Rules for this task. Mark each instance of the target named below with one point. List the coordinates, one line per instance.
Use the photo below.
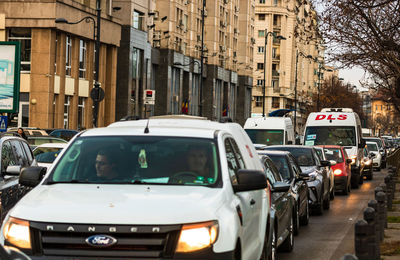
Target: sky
(352, 76)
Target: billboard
(9, 76)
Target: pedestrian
(22, 133)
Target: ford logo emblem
(101, 241)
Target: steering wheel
(177, 176)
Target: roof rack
(346, 110)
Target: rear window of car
(304, 156)
(333, 154)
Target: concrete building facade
(178, 38)
(291, 65)
(57, 61)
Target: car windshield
(372, 147)
(282, 165)
(303, 155)
(330, 135)
(264, 136)
(139, 160)
(333, 154)
(46, 154)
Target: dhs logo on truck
(331, 117)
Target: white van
(158, 188)
(270, 130)
(338, 126)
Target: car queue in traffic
(182, 187)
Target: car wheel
(327, 202)
(332, 195)
(319, 210)
(272, 255)
(287, 245)
(306, 216)
(296, 221)
(346, 188)
(355, 182)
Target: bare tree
(365, 33)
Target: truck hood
(351, 150)
(119, 204)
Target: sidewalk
(390, 247)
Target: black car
(282, 209)
(318, 182)
(291, 173)
(15, 154)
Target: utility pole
(96, 93)
(202, 59)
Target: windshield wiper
(71, 181)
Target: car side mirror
(280, 186)
(32, 176)
(348, 161)
(325, 163)
(13, 170)
(250, 180)
(333, 163)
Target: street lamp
(279, 37)
(295, 85)
(202, 57)
(97, 93)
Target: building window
(275, 83)
(262, 1)
(23, 36)
(258, 101)
(81, 113)
(274, 53)
(138, 20)
(66, 111)
(261, 33)
(82, 59)
(68, 55)
(275, 102)
(261, 17)
(260, 49)
(260, 82)
(260, 66)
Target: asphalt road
(331, 235)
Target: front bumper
(201, 255)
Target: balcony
(275, 73)
(276, 57)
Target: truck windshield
(264, 136)
(330, 135)
(139, 160)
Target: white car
(377, 160)
(45, 154)
(162, 188)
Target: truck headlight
(16, 232)
(197, 236)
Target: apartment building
(57, 60)
(384, 117)
(137, 59)
(178, 85)
(291, 65)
